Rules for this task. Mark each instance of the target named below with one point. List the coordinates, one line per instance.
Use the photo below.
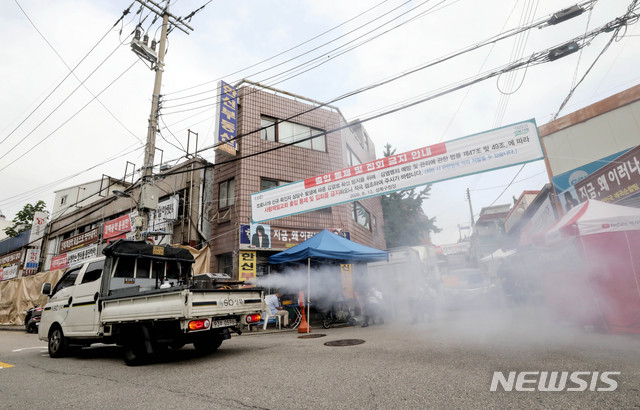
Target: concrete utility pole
(148, 200)
(470, 208)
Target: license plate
(223, 323)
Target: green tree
(405, 223)
(24, 218)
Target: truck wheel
(208, 343)
(58, 344)
(135, 353)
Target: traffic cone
(304, 326)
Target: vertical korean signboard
(347, 280)
(247, 266)
(31, 262)
(226, 116)
(40, 220)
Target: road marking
(5, 365)
(27, 348)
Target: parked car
(468, 288)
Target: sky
(55, 133)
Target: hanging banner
(502, 147)
(9, 272)
(81, 255)
(116, 227)
(247, 266)
(226, 118)
(80, 240)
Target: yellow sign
(247, 265)
(158, 250)
(347, 280)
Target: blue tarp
(330, 246)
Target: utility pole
(470, 208)
(148, 200)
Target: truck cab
(73, 301)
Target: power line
(326, 56)
(270, 58)
(60, 105)
(534, 59)
(70, 118)
(124, 13)
(74, 74)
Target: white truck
(144, 298)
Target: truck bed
(180, 304)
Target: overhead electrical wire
(432, 63)
(61, 103)
(70, 118)
(267, 59)
(534, 59)
(74, 74)
(124, 13)
(322, 45)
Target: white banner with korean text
(498, 148)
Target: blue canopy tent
(330, 246)
(327, 245)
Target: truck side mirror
(46, 289)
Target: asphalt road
(448, 364)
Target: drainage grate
(345, 342)
(311, 336)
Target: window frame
(318, 143)
(355, 215)
(229, 200)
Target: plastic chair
(267, 315)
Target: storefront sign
(116, 227)
(9, 272)
(226, 116)
(12, 258)
(31, 262)
(79, 241)
(511, 145)
(279, 238)
(38, 227)
(613, 182)
(166, 211)
(247, 266)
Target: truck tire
(135, 353)
(209, 342)
(57, 344)
(134, 347)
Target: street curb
(14, 328)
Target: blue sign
(227, 116)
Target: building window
(361, 215)
(63, 200)
(270, 183)
(227, 195)
(352, 158)
(288, 132)
(225, 263)
(269, 131)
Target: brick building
(267, 119)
